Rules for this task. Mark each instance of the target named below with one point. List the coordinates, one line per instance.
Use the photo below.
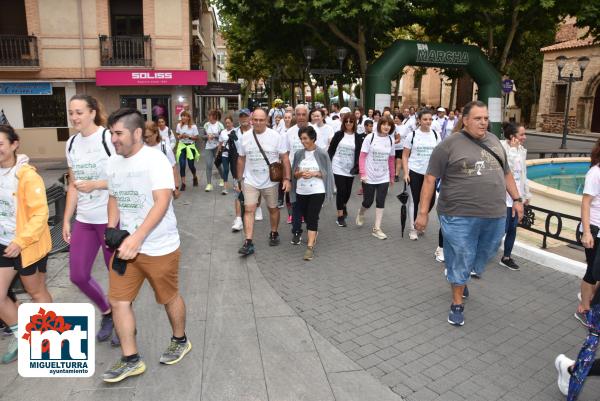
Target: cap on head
(440, 109)
(345, 110)
(244, 112)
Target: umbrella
(586, 356)
(403, 198)
(3, 119)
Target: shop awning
(151, 78)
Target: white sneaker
(412, 234)
(562, 363)
(221, 183)
(360, 219)
(377, 233)
(439, 254)
(238, 224)
(258, 214)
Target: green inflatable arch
(386, 68)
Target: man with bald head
(254, 171)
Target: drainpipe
(81, 49)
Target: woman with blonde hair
(153, 138)
(187, 133)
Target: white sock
(378, 217)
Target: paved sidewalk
(248, 344)
(385, 305)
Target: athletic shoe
(122, 370)
(396, 179)
(12, 351)
(413, 235)
(246, 249)
(465, 294)
(289, 219)
(258, 216)
(274, 238)
(475, 275)
(280, 204)
(309, 253)
(182, 187)
(224, 192)
(439, 254)
(377, 233)
(341, 221)
(360, 219)
(582, 318)
(238, 225)
(221, 183)
(175, 352)
(456, 317)
(509, 264)
(195, 181)
(562, 363)
(208, 188)
(296, 239)
(106, 328)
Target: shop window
(45, 110)
(560, 98)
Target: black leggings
(310, 206)
(590, 256)
(343, 185)
(190, 162)
(369, 192)
(416, 183)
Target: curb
(548, 259)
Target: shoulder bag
(486, 148)
(275, 169)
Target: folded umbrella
(113, 238)
(403, 198)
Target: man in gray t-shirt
(475, 177)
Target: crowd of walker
(124, 173)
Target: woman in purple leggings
(87, 154)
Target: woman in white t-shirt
(165, 132)
(212, 131)
(154, 139)
(224, 151)
(87, 156)
(187, 133)
(376, 168)
(324, 131)
(360, 119)
(398, 146)
(418, 147)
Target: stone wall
(554, 122)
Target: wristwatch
(518, 200)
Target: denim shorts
(469, 243)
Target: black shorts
(398, 153)
(16, 264)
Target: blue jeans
(469, 243)
(511, 232)
(225, 165)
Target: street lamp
(309, 54)
(561, 62)
(340, 54)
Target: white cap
(441, 109)
(345, 110)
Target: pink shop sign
(151, 77)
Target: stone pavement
(248, 344)
(385, 305)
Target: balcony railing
(18, 51)
(125, 51)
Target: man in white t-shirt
(140, 186)
(254, 169)
(438, 120)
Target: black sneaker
(396, 179)
(509, 264)
(246, 249)
(274, 238)
(296, 239)
(341, 221)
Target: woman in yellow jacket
(24, 233)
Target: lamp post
(309, 54)
(561, 61)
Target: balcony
(19, 52)
(125, 51)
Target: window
(45, 110)
(417, 80)
(560, 98)
(221, 59)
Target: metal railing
(528, 223)
(18, 51)
(125, 51)
(543, 153)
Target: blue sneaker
(246, 249)
(465, 292)
(106, 328)
(456, 317)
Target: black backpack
(103, 143)
(412, 140)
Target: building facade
(584, 105)
(133, 53)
